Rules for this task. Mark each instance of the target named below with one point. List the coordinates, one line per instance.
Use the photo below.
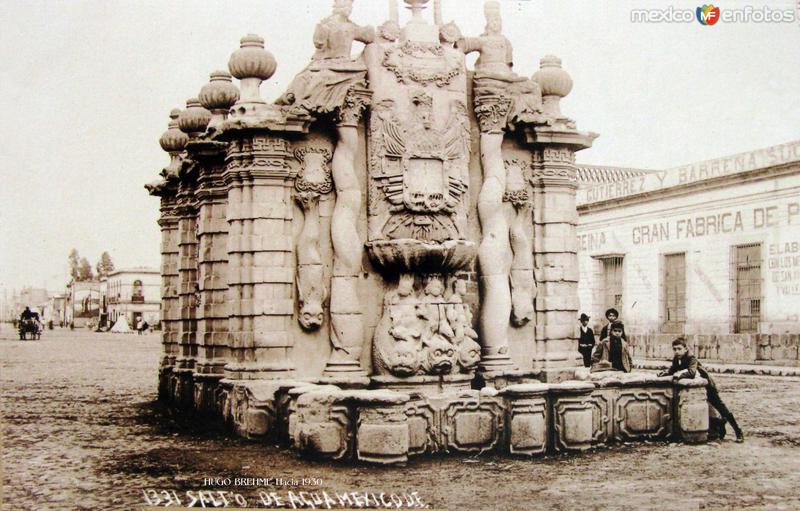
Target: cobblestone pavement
(82, 431)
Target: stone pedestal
(382, 436)
(322, 424)
(556, 247)
(527, 417)
(691, 410)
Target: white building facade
(709, 250)
(134, 293)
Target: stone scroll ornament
(313, 181)
(334, 85)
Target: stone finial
(252, 64)
(194, 120)
(173, 140)
(554, 82)
(219, 95)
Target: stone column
(555, 183)
(193, 122)
(556, 251)
(260, 256)
(347, 329)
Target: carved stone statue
(322, 87)
(520, 99)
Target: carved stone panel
(643, 414)
(602, 416)
(426, 329)
(472, 424)
(423, 425)
(527, 425)
(573, 423)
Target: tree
(85, 271)
(105, 265)
(74, 264)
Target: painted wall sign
(709, 169)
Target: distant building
(35, 298)
(82, 303)
(56, 310)
(134, 293)
(709, 250)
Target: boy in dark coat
(586, 341)
(612, 315)
(686, 365)
(612, 353)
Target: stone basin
(415, 256)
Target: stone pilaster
(186, 212)
(554, 181)
(170, 308)
(260, 256)
(212, 263)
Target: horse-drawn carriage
(30, 328)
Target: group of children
(612, 354)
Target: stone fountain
(383, 262)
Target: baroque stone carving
(313, 180)
(419, 167)
(643, 413)
(425, 332)
(521, 279)
(401, 61)
(472, 423)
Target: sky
(86, 87)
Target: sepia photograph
(400, 254)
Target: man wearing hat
(586, 341)
(612, 315)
